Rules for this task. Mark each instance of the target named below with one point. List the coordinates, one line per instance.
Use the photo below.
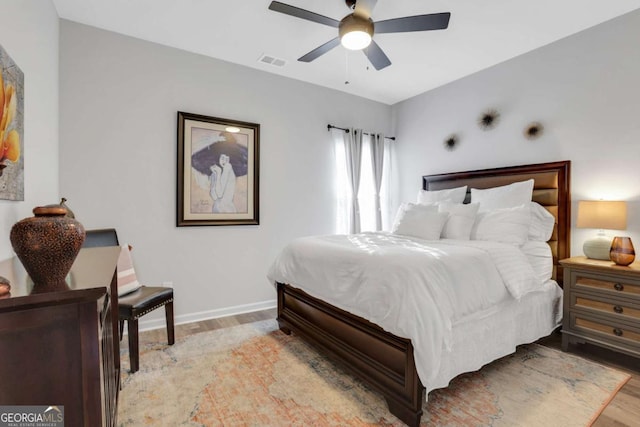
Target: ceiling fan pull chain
(346, 67)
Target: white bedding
(410, 287)
(476, 343)
(540, 257)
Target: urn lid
(50, 210)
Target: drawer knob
(618, 287)
(617, 332)
(618, 309)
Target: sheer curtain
(377, 168)
(367, 191)
(363, 168)
(353, 157)
(348, 155)
(387, 193)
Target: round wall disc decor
(451, 142)
(533, 130)
(489, 119)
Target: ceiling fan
(355, 31)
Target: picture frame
(11, 129)
(218, 171)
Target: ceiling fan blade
(321, 50)
(365, 7)
(276, 6)
(433, 21)
(376, 56)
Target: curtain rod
(329, 127)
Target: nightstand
(601, 304)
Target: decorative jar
(47, 245)
(622, 252)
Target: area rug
(254, 375)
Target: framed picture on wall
(218, 161)
(11, 129)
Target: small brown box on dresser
(601, 304)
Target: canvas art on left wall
(11, 129)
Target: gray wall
(585, 89)
(29, 34)
(118, 102)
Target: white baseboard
(149, 325)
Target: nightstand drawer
(587, 281)
(620, 332)
(622, 308)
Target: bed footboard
(382, 360)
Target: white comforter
(410, 287)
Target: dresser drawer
(625, 288)
(621, 332)
(621, 309)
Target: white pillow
(542, 223)
(509, 225)
(454, 195)
(506, 196)
(461, 220)
(424, 222)
(541, 259)
(413, 206)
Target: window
(366, 190)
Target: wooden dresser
(601, 304)
(62, 348)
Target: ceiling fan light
(356, 40)
(355, 32)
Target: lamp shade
(602, 214)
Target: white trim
(206, 315)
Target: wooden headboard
(551, 189)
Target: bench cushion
(144, 300)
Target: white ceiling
(480, 34)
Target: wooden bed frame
(383, 360)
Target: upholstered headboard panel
(551, 189)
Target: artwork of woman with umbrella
(218, 164)
(223, 161)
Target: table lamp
(601, 214)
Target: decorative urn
(47, 245)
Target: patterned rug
(254, 375)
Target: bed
(385, 361)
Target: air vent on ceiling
(272, 60)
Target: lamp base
(597, 247)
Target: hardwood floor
(206, 325)
(623, 411)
